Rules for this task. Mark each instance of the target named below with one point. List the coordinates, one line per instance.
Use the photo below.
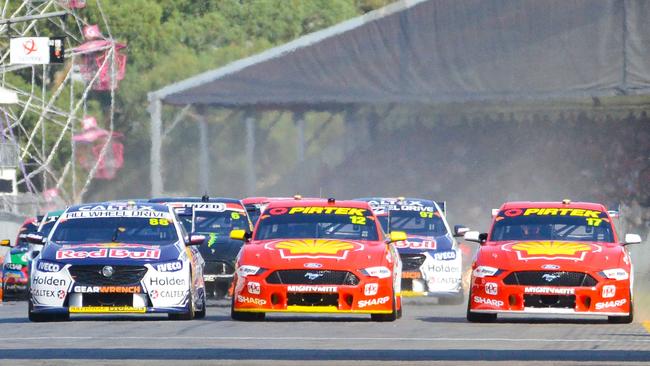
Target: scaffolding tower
(44, 104)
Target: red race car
(551, 258)
(317, 256)
(255, 205)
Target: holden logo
(313, 265)
(551, 266)
(313, 275)
(107, 271)
(550, 277)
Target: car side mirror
(240, 234)
(36, 238)
(395, 236)
(632, 239)
(460, 230)
(475, 236)
(5, 242)
(196, 239)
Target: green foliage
(170, 40)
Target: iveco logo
(107, 271)
(550, 277)
(312, 276)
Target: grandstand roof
(420, 51)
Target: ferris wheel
(58, 77)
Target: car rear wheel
(478, 317)
(401, 307)
(623, 319)
(201, 313)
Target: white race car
(120, 257)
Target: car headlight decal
(248, 270)
(485, 271)
(615, 274)
(379, 272)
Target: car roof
(405, 199)
(321, 202)
(193, 199)
(258, 200)
(155, 206)
(553, 204)
(55, 213)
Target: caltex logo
(29, 46)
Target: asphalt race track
(427, 333)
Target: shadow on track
(550, 321)
(220, 303)
(323, 354)
(442, 319)
(325, 319)
(14, 320)
(140, 318)
(439, 319)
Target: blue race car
(432, 263)
(117, 258)
(215, 218)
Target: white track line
(391, 339)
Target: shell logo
(316, 248)
(553, 250)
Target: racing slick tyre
(623, 319)
(201, 313)
(189, 315)
(390, 317)
(243, 315)
(479, 317)
(400, 310)
(37, 317)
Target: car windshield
(253, 213)
(420, 223)
(186, 221)
(115, 230)
(220, 223)
(383, 221)
(48, 225)
(552, 224)
(317, 222)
